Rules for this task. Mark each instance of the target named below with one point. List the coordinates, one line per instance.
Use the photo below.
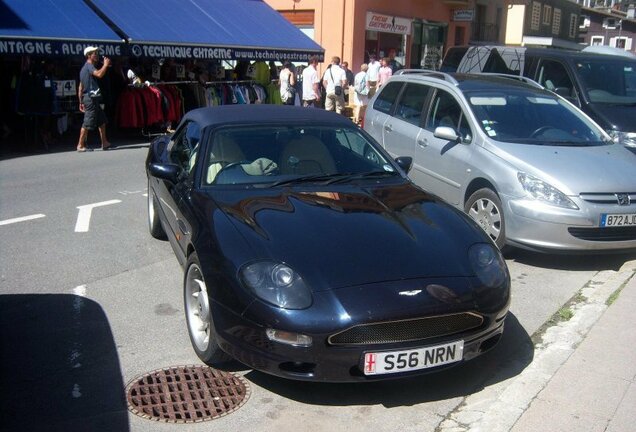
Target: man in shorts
(90, 97)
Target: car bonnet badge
(410, 293)
(623, 199)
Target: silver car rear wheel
(484, 207)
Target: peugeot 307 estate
(528, 166)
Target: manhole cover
(186, 394)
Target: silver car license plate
(618, 220)
(377, 363)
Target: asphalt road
(89, 301)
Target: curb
(498, 407)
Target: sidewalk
(595, 389)
(582, 376)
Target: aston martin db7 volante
(309, 254)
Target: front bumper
(244, 336)
(533, 225)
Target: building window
(547, 15)
(556, 21)
(621, 42)
(597, 40)
(535, 18)
(574, 23)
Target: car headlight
(542, 191)
(277, 284)
(488, 264)
(625, 138)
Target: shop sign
(56, 48)
(388, 24)
(218, 53)
(463, 14)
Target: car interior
(252, 155)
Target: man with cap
(90, 97)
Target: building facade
(608, 26)
(415, 32)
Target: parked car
(529, 167)
(602, 85)
(308, 254)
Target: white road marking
(21, 219)
(76, 393)
(84, 214)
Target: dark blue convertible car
(308, 253)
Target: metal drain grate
(186, 394)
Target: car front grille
(606, 197)
(407, 330)
(604, 234)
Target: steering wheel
(227, 165)
(540, 131)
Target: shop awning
(53, 28)
(207, 29)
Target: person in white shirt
(385, 72)
(287, 79)
(335, 81)
(360, 95)
(311, 91)
(373, 74)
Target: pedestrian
(360, 94)
(335, 81)
(373, 74)
(349, 73)
(385, 72)
(90, 98)
(287, 81)
(311, 89)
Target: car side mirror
(447, 133)
(404, 162)
(169, 172)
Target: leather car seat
(224, 150)
(306, 155)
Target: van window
(409, 107)
(554, 76)
(387, 97)
(445, 111)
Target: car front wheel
(199, 315)
(154, 224)
(484, 207)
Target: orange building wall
(339, 25)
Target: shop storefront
(414, 33)
(190, 54)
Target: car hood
(619, 117)
(574, 170)
(345, 235)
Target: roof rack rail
(442, 75)
(517, 77)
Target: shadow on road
(59, 369)
(598, 261)
(513, 353)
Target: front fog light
(288, 338)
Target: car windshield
(608, 81)
(271, 156)
(531, 117)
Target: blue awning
(54, 28)
(207, 29)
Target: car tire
(484, 207)
(154, 224)
(198, 313)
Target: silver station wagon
(528, 166)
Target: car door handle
(422, 142)
(182, 227)
(388, 128)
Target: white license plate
(618, 220)
(421, 358)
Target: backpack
(362, 88)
